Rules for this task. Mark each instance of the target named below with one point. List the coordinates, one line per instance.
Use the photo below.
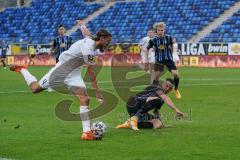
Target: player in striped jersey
(3, 51)
(61, 43)
(163, 46)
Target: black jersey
(61, 43)
(163, 48)
(150, 91)
(139, 103)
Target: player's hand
(100, 98)
(52, 52)
(179, 114)
(80, 22)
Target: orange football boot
(17, 68)
(88, 135)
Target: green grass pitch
(30, 129)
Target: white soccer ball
(99, 128)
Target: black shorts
(160, 66)
(32, 55)
(143, 121)
(133, 106)
(3, 56)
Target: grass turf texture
(29, 128)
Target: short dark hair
(60, 26)
(170, 80)
(101, 33)
(150, 29)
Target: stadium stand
(183, 17)
(126, 20)
(41, 19)
(229, 31)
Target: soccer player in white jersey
(67, 72)
(175, 51)
(147, 57)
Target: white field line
(11, 92)
(125, 81)
(6, 159)
(185, 79)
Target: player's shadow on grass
(62, 109)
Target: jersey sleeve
(88, 50)
(170, 41)
(71, 41)
(150, 44)
(87, 47)
(55, 42)
(141, 42)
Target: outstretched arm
(94, 83)
(170, 103)
(83, 28)
(54, 47)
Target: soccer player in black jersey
(3, 51)
(163, 46)
(61, 43)
(152, 98)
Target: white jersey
(80, 48)
(175, 52)
(144, 42)
(151, 55)
(175, 48)
(68, 70)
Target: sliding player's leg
(132, 107)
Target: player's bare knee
(157, 124)
(84, 100)
(35, 88)
(175, 75)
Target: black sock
(4, 64)
(176, 81)
(146, 125)
(155, 82)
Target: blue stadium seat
(230, 29)
(126, 20)
(184, 18)
(41, 19)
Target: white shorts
(175, 58)
(55, 78)
(151, 57)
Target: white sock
(29, 78)
(84, 114)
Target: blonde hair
(159, 24)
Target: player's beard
(102, 48)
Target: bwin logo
(221, 48)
